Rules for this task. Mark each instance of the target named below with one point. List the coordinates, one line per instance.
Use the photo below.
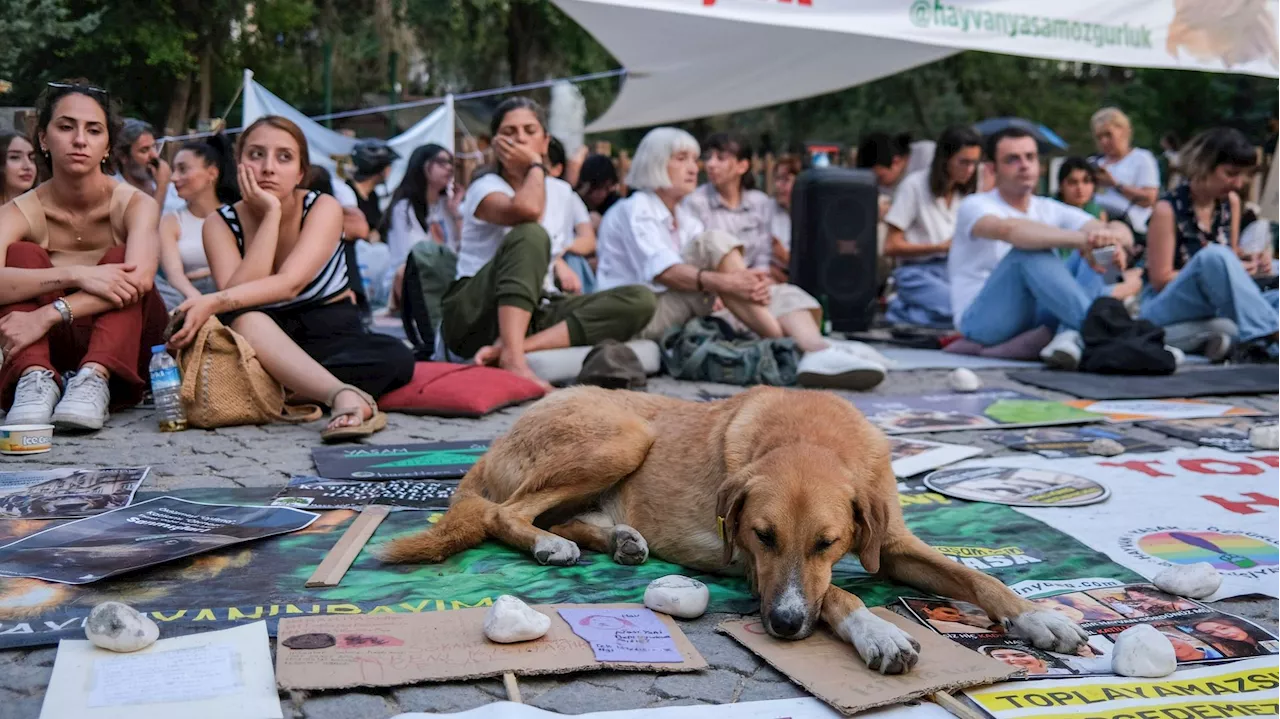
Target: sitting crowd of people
(114, 242)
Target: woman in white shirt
(1128, 177)
(512, 227)
(424, 208)
(197, 169)
(920, 224)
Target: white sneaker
(1218, 346)
(838, 369)
(36, 396)
(85, 404)
(863, 351)
(1064, 351)
(1179, 357)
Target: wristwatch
(64, 309)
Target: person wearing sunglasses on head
(76, 287)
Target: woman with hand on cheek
(283, 285)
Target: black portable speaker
(834, 211)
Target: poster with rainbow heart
(1175, 508)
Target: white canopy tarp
(324, 144)
(694, 58)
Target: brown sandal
(376, 422)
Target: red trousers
(119, 340)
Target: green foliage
(28, 25)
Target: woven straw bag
(224, 385)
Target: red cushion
(458, 390)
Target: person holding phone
(138, 162)
(1128, 177)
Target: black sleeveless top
(1189, 238)
(330, 282)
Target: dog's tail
(464, 526)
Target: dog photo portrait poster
(1016, 486)
(320, 493)
(67, 493)
(990, 409)
(147, 533)
(913, 456)
(1199, 634)
(1063, 442)
(1226, 433)
(433, 460)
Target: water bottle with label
(166, 386)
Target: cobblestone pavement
(267, 456)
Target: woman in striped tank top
(282, 280)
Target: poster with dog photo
(1226, 433)
(1198, 633)
(914, 456)
(67, 493)
(990, 409)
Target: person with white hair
(652, 239)
(1128, 177)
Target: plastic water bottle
(166, 386)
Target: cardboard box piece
(396, 649)
(831, 669)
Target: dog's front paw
(880, 643)
(1047, 630)
(556, 550)
(628, 546)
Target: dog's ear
(871, 516)
(729, 501)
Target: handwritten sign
(333, 652)
(623, 635)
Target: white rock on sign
(1105, 447)
(120, 628)
(1142, 651)
(511, 620)
(1197, 580)
(1264, 437)
(964, 380)
(678, 596)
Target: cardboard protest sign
(433, 460)
(151, 532)
(1199, 633)
(214, 675)
(67, 493)
(389, 650)
(1246, 688)
(913, 456)
(988, 409)
(1176, 508)
(1139, 410)
(319, 493)
(1059, 443)
(1226, 433)
(831, 669)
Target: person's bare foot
(516, 364)
(489, 355)
(349, 400)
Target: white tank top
(191, 241)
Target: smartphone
(1105, 258)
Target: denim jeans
(1030, 288)
(1214, 284)
(923, 295)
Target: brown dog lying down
(791, 480)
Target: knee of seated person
(640, 303)
(27, 254)
(245, 322)
(1216, 254)
(529, 235)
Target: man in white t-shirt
(1005, 279)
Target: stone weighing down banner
(1175, 508)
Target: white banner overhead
(324, 144)
(693, 58)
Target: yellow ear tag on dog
(720, 528)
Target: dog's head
(791, 514)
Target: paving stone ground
(267, 456)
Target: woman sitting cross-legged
(512, 233)
(282, 279)
(655, 239)
(76, 286)
(1195, 270)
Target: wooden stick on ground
(513, 689)
(336, 563)
(955, 707)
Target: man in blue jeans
(1005, 277)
